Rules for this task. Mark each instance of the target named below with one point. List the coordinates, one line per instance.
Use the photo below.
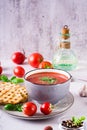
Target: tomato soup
(47, 78)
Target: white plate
(60, 107)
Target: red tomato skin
(29, 108)
(45, 65)
(46, 108)
(48, 128)
(18, 57)
(19, 71)
(35, 59)
(1, 70)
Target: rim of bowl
(46, 70)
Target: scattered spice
(74, 122)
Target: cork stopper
(65, 32)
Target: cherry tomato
(18, 57)
(1, 69)
(29, 108)
(45, 65)
(35, 59)
(19, 71)
(48, 128)
(46, 108)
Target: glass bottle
(65, 58)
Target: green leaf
(9, 107)
(13, 79)
(19, 107)
(82, 118)
(78, 121)
(13, 107)
(17, 80)
(48, 79)
(4, 78)
(74, 118)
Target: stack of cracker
(12, 93)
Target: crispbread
(16, 99)
(12, 93)
(23, 92)
(5, 87)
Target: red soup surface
(47, 78)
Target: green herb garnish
(4, 78)
(13, 107)
(13, 79)
(74, 122)
(18, 107)
(16, 80)
(78, 121)
(48, 80)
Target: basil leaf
(9, 107)
(48, 80)
(17, 80)
(4, 78)
(13, 79)
(19, 107)
(13, 107)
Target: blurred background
(35, 25)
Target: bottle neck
(65, 38)
(65, 44)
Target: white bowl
(52, 92)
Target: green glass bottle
(65, 58)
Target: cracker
(12, 93)
(4, 87)
(9, 95)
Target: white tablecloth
(79, 106)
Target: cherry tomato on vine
(45, 65)
(19, 71)
(18, 57)
(1, 69)
(35, 59)
(46, 108)
(29, 108)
